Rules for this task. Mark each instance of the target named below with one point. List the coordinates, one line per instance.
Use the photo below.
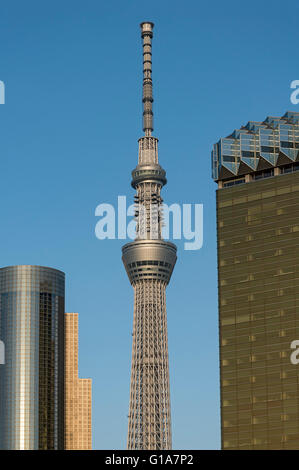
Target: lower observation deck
(149, 259)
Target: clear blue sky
(68, 142)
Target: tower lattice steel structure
(149, 262)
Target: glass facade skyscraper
(32, 378)
(256, 168)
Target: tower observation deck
(149, 262)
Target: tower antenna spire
(149, 262)
(147, 34)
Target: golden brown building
(256, 168)
(77, 392)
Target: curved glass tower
(149, 262)
(32, 378)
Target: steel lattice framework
(149, 262)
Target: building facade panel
(258, 268)
(78, 433)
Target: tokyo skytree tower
(149, 262)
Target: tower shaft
(149, 415)
(149, 262)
